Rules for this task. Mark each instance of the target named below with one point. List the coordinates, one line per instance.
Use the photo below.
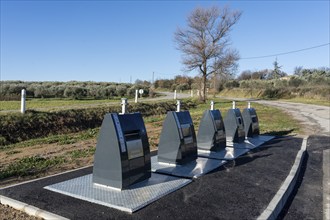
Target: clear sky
(121, 41)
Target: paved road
(315, 118)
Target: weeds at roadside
(59, 139)
(30, 166)
(13, 152)
(80, 153)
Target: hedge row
(33, 124)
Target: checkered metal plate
(193, 169)
(129, 200)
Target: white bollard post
(123, 105)
(212, 105)
(174, 94)
(23, 99)
(136, 95)
(191, 93)
(178, 106)
(249, 104)
(234, 104)
(197, 92)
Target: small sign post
(23, 99)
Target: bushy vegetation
(178, 83)
(11, 90)
(34, 124)
(307, 83)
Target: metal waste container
(234, 126)
(122, 155)
(177, 143)
(211, 133)
(251, 122)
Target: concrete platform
(193, 169)
(129, 200)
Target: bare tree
(205, 42)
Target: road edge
(326, 184)
(276, 205)
(29, 209)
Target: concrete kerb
(279, 200)
(29, 209)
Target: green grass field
(50, 104)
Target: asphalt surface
(306, 201)
(241, 189)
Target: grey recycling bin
(122, 155)
(251, 122)
(234, 126)
(211, 133)
(177, 142)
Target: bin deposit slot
(134, 145)
(217, 124)
(186, 131)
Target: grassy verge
(50, 104)
(30, 166)
(62, 139)
(308, 101)
(258, 94)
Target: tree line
(261, 79)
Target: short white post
(212, 105)
(191, 93)
(136, 95)
(174, 94)
(234, 104)
(197, 92)
(23, 99)
(178, 105)
(123, 105)
(249, 104)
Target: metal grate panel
(229, 153)
(193, 169)
(130, 200)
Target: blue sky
(119, 41)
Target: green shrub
(232, 84)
